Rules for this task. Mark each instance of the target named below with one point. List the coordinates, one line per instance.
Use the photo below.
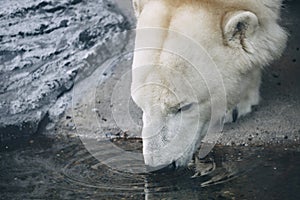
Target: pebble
(95, 110)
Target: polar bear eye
(184, 108)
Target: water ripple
(62, 168)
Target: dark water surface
(61, 168)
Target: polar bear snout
(166, 126)
(161, 169)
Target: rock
(45, 47)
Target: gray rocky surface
(45, 47)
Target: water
(61, 168)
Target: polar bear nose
(161, 169)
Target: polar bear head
(226, 42)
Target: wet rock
(45, 46)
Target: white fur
(241, 36)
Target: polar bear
(240, 37)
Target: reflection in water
(42, 168)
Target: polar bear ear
(239, 29)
